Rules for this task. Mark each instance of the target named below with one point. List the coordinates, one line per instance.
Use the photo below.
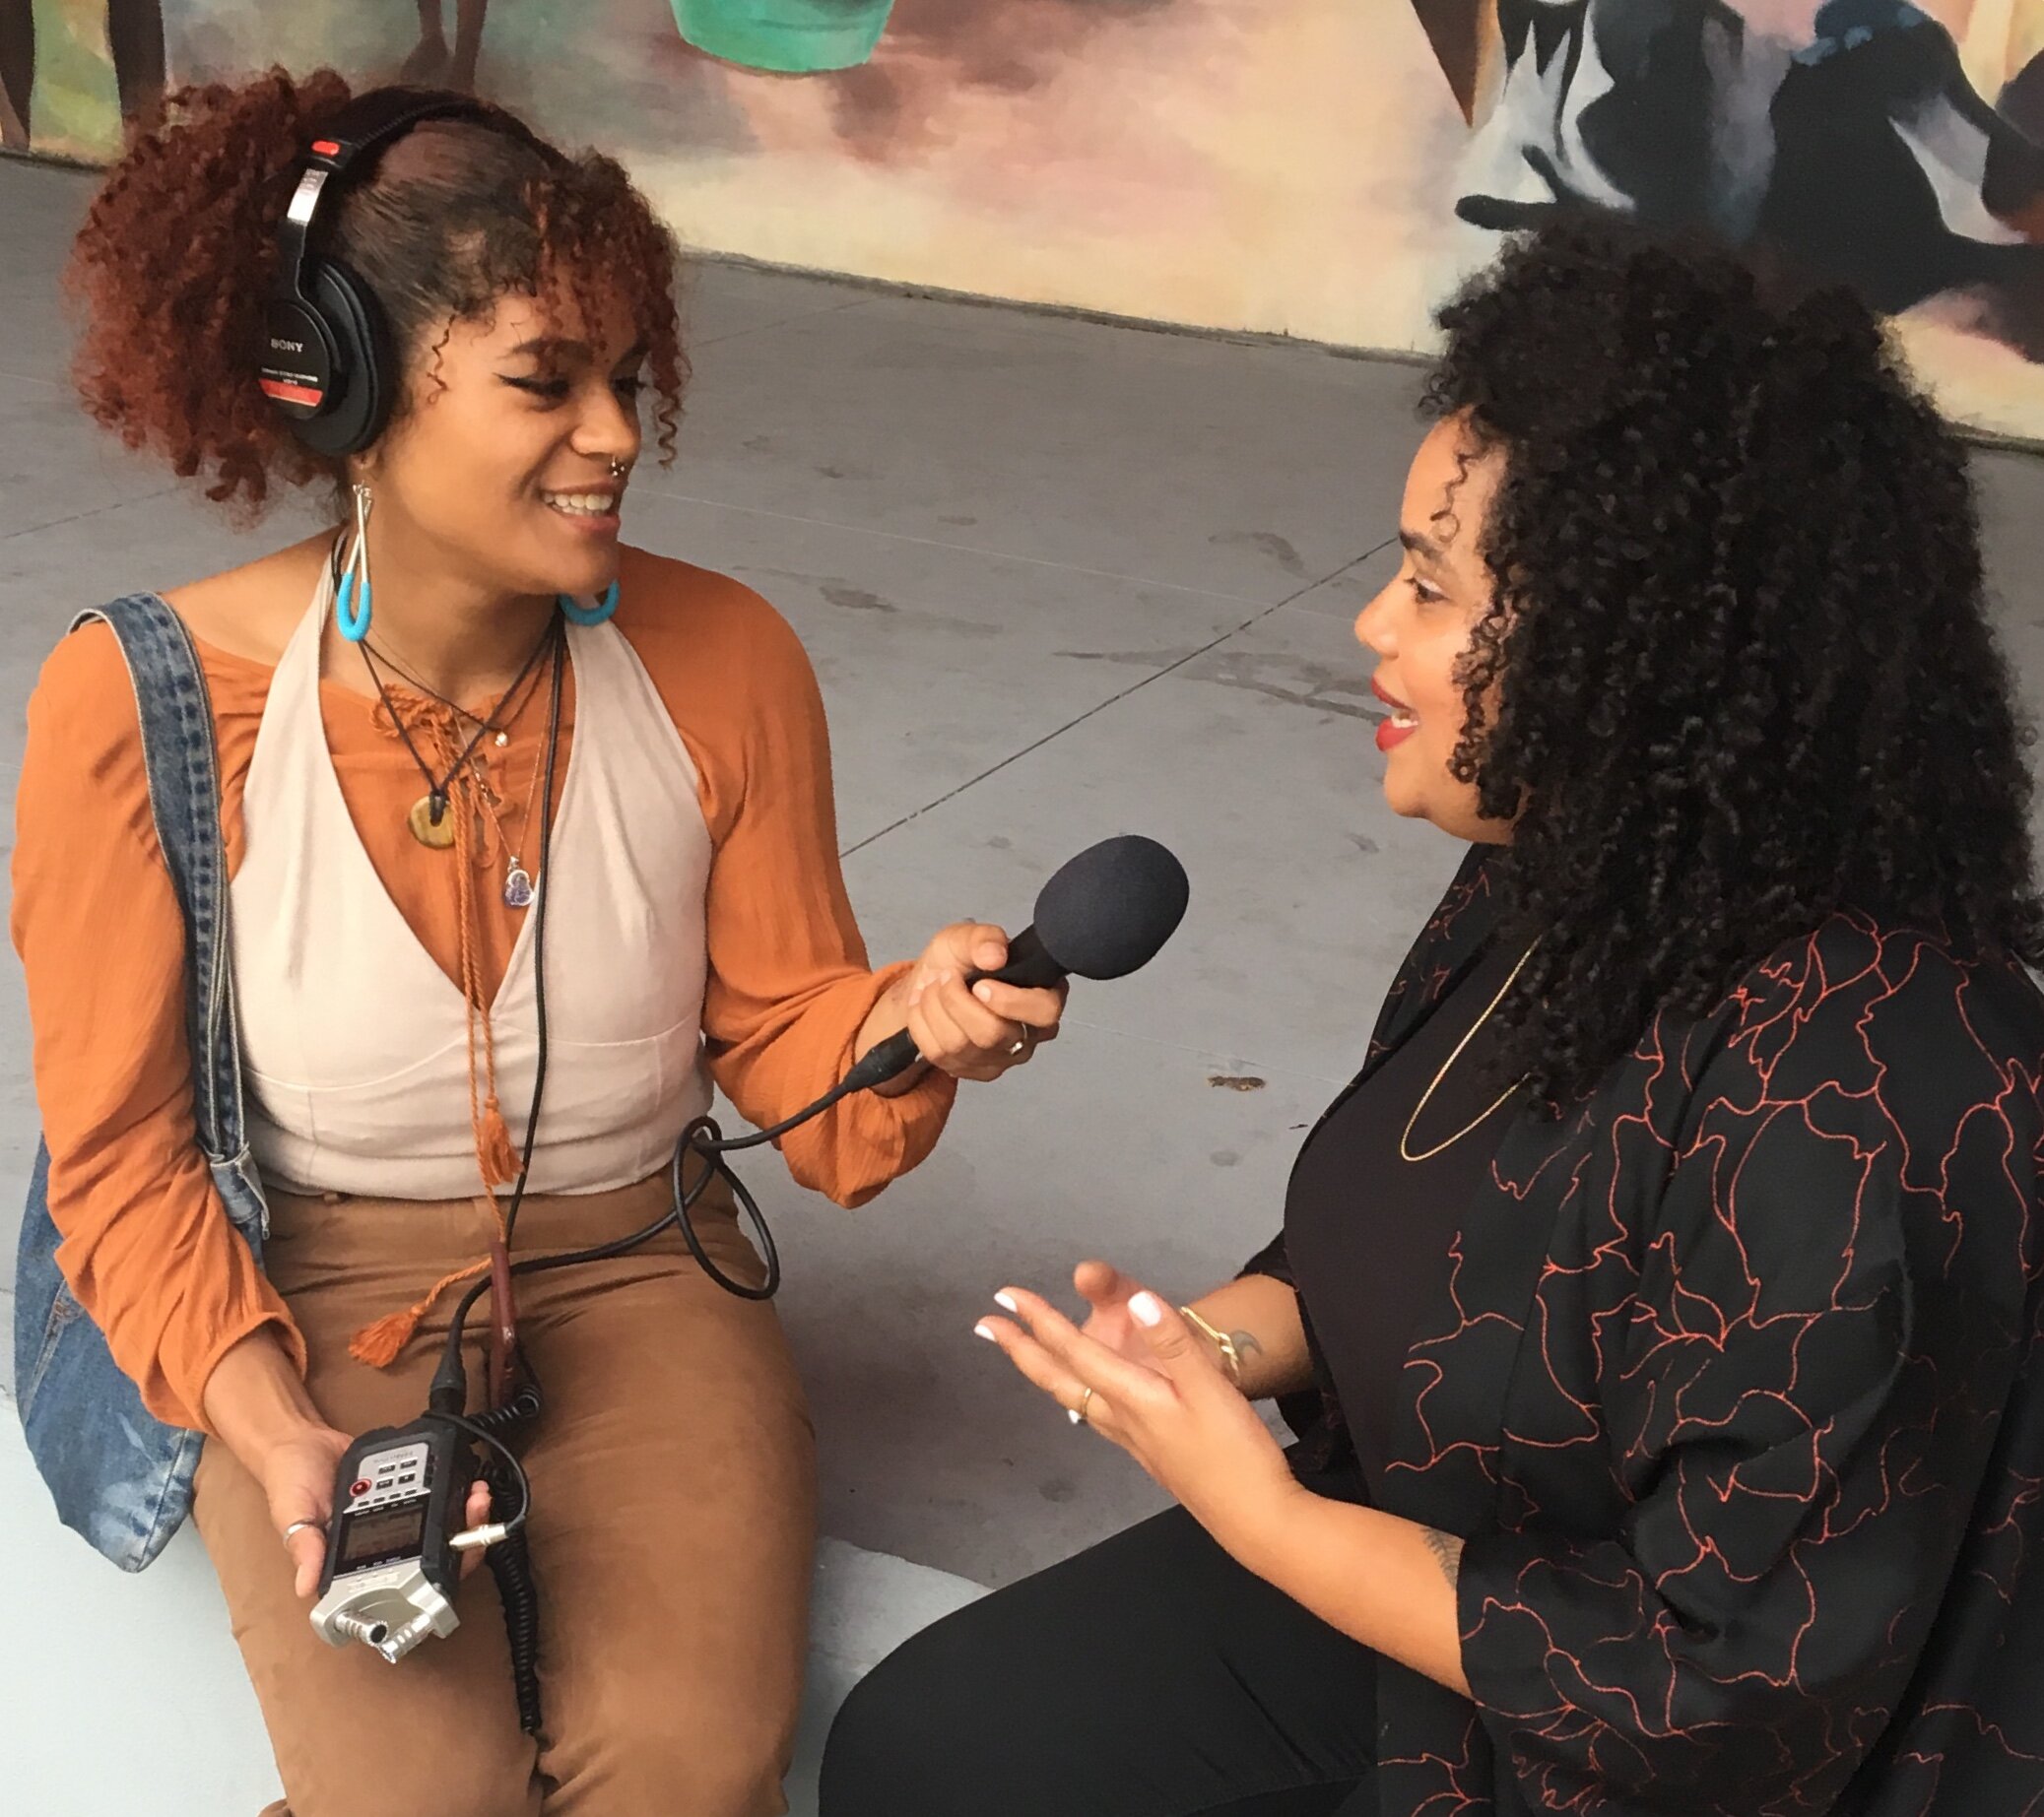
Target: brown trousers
(672, 1479)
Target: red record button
(360, 1486)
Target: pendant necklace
(439, 833)
(411, 680)
(518, 887)
(428, 818)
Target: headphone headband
(364, 127)
(326, 364)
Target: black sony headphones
(328, 363)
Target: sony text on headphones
(328, 363)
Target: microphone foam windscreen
(1110, 909)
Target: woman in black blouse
(1660, 1310)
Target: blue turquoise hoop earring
(351, 596)
(605, 604)
(354, 621)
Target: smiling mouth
(596, 503)
(1402, 716)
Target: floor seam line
(1093, 712)
(79, 517)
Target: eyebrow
(553, 344)
(1424, 546)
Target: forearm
(889, 1018)
(1385, 1582)
(1262, 1315)
(255, 1399)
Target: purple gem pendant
(517, 887)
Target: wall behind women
(1314, 167)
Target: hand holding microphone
(978, 1004)
(962, 1017)
(1104, 915)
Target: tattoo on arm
(1245, 1342)
(1447, 1553)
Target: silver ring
(1022, 1041)
(1078, 1416)
(297, 1527)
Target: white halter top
(354, 1041)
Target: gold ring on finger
(1079, 1415)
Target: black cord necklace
(427, 819)
(455, 707)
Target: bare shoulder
(252, 610)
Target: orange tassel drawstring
(497, 1158)
(381, 1342)
(494, 1156)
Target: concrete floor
(1060, 580)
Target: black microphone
(1105, 914)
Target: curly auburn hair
(1738, 674)
(179, 255)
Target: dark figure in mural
(1891, 174)
(1864, 155)
(434, 65)
(134, 37)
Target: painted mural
(1317, 168)
(1894, 147)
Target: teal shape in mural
(787, 37)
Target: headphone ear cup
(364, 365)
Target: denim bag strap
(179, 748)
(118, 1475)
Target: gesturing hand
(1111, 1324)
(1162, 1399)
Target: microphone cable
(511, 1558)
(1114, 872)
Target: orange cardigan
(147, 1247)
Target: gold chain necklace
(518, 889)
(427, 819)
(1405, 1140)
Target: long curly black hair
(1739, 673)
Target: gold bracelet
(1230, 1357)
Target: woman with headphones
(527, 841)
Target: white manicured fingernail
(1146, 1309)
(983, 1329)
(1005, 1301)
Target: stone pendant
(431, 821)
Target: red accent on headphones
(290, 394)
(326, 148)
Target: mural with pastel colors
(1323, 168)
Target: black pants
(1151, 1676)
